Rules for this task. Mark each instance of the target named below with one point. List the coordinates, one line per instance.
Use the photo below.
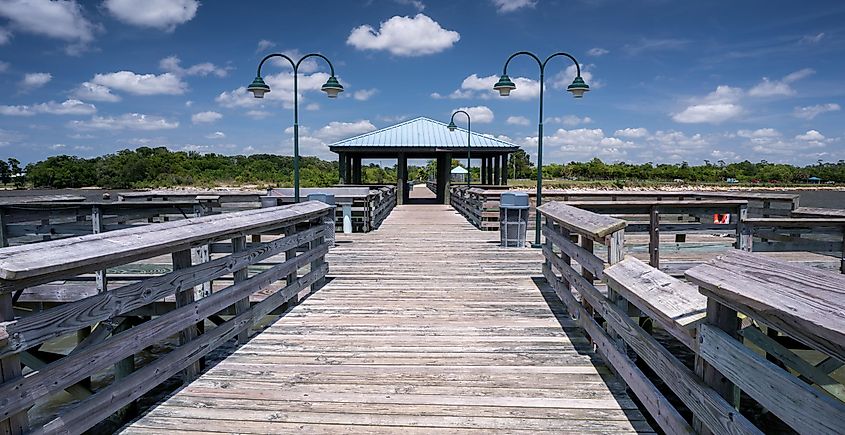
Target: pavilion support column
(445, 172)
(356, 170)
(489, 179)
(341, 167)
(504, 169)
(497, 174)
(483, 179)
(401, 179)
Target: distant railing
(823, 235)
(115, 324)
(365, 206)
(40, 221)
(636, 292)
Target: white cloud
(482, 87)
(479, 114)
(633, 133)
(281, 86)
(570, 120)
(68, 107)
(583, 144)
(646, 45)
(4, 66)
(171, 64)
(58, 146)
(810, 112)
(142, 84)
(505, 6)
(159, 14)
(812, 39)
(128, 121)
(404, 36)
(257, 114)
(95, 92)
(55, 19)
(205, 117)
(5, 36)
(517, 120)
(36, 80)
(811, 135)
(759, 133)
(416, 4)
(597, 51)
(718, 106)
(771, 88)
(312, 107)
(338, 130)
(264, 45)
(364, 94)
(216, 135)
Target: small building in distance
(814, 180)
(459, 175)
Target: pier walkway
(426, 325)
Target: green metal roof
(421, 133)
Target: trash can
(513, 219)
(329, 221)
(269, 201)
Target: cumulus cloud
(338, 130)
(158, 14)
(760, 133)
(63, 20)
(570, 120)
(216, 135)
(264, 45)
(482, 87)
(172, 65)
(416, 4)
(517, 120)
(128, 121)
(810, 112)
(4, 66)
(257, 114)
(35, 80)
(633, 133)
(565, 77)
(5, 36)
(718, 106)
(67, 107)
(281, 86)
(479, 114)
(364, 94)
(95, 92)
(205, 117)
(142, 84)
(810, 136)
(597, 51)
(772, 88)
(404, 36)
(505, 6)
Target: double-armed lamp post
(577, 88)
(453, 127)
(332, 88)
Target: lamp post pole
(453, 127)
(577, 88)
(332, 88)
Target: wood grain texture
(425, 326)
(592, 225)
(802, 302)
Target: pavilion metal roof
(421, 133)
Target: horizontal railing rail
(823, 235)
(110, 329)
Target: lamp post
(258, 88)
(453, 127)
(505, 86)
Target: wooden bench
(677, 306)
(801, 302)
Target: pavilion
(423, 138)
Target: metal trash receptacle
(513, 219)
(329, 222)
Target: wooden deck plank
(428, 326)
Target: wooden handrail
(593, 225)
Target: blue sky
(672, 80)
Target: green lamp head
(452, 126)
(258, 87)
(504, 85)
(578, 87)
(332, 87)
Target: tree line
(160, 167)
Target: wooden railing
(40, 221)
(480, 204)
(823, 235)
(114, 324)
(639, 296)
(365, 206)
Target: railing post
(203, 254)
(654, 238)
(10, 370)
(4, 240)
(744, 232)
(316, 264)
(241, 306)
(182, 260)
(725, 319)
(97, 228)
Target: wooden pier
(426, 326)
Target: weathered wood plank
(804, 408)
(804, 303)
(580, 221)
